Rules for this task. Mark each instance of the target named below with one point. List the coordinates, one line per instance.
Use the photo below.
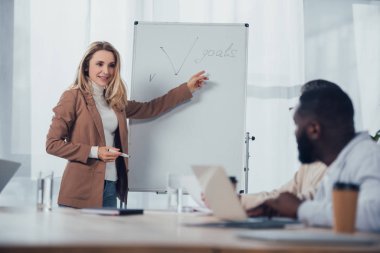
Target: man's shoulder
(364, 159)
(310, 167)
(365, 148)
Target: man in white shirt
(306, 180)
(325, 132)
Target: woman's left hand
(197, 81)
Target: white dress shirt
(358, 162)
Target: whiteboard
(209, 128)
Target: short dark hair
(318, 84)
(332, 107)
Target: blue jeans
(109, 194)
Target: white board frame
(188, 135)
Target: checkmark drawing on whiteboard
(184, 60)
(151, 76)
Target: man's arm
(250, 201)
(366, 172)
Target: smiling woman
(101, 65)
(89, 128)
(102, 70)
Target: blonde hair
(115, 94)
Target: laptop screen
(220, 195)
(7, 170)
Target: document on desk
(301, 236)
(112, 211)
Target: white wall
(342, 44)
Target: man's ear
(314, 130)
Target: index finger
(199, 73)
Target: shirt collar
(359, 137)
(97, 89)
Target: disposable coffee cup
(345, 198)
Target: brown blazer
(77, 126)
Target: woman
(89, 128)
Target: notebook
(225, 204)
(7, 170)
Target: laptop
(225, 204)
(7, 170)
(311, 237)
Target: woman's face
(102, 67)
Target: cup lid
(346, 186)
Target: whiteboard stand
(246, 168)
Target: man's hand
(286, 204)
(261, 210)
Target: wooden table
(69, 230)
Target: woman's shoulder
(70, 94)
(71, 91)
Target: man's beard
(305, 149)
